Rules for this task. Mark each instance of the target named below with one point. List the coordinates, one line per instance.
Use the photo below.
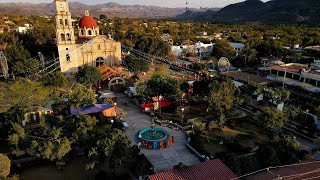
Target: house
(208, 170)
(303, 170)
(297, 75)
(266, 62)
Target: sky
(162, 3)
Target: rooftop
(209, 170)
(246, 77)
(305, 170)
(293, 67)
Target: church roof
(87, 22)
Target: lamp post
(182, 110)
(159, 101)
(284, 77)
(307, 111)
(115, 106)
(112, 121)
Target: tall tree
(21, 95)
(274, 117)
(88, 75)
(135, 64)
(55, 79)
(5, 165)
(81, 96)
(223, 49)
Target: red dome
(88, 22)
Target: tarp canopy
(148, 105)
(106, 94)
(107, 110)
(132, 90)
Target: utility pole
(41, 59)
(4, 65)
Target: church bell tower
(64, 29)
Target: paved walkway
(163, 159)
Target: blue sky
(163, 3)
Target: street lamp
(182, 110)
(115, 106)
(112, 121)
(159, 101)
(307, 111)
(284, 77)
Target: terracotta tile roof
(209, 170)
(305, 170)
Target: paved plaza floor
(163, 159)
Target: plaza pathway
(163, 159)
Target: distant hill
(109, 9)
(274, 11)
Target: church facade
(88, 48)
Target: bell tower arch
(64, 28)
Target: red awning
(148, 105)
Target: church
(89, 47)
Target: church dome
(87, 22)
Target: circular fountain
(154, 138)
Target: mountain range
(274, 11)
(109, 9)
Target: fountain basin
(147, 135)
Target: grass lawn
(243, 138)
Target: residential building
(305, 77)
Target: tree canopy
(223, 49)
(22, 94)
(81, 96)
(88, 75)
(55, 79)
(135, 64)
(274, 117)
(27, 67)
(5, 165)
(161, 84)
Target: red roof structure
(87, 22)
(208, 170)
(292, 68)
(304, 170)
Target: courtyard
(163, 159)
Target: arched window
(89, 32)
(63, 37)
(68, 37)
(68, 57)
(61, 22)
(66, 22)
(99, 47)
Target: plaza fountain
(154, 137)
